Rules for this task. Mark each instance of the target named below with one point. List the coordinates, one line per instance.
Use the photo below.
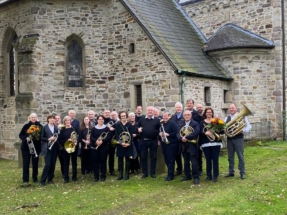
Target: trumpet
(70, 145)
(102, 137)
(31, 147)
(187, 130)
(52, 142)
(163, 136)
(110, 123)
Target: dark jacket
(23, 135)
(45, 135)
(190, 147)
(124, 151)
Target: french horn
(70, 145)
(185, 131)
(125, 137)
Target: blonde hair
(33, 114)
(66, 118)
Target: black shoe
(168, 178)
(127, 177)
(229, 175)
(196, 181)
(208, 178)
(185, 179)
(113, 174)
(144, 176)
(103, 179)
(242, 176)
(132, 172)
(153, 176)
(120, 177)
(178, 173)
(66, 181)
(75, 180)
(42, 184)
(35, 180)
(214, 179)
(96, 180)
(50, 182)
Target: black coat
(23, 135)
(45, 135)
(124, 151)
(190, 147)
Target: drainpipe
(182, 85)
(283, 69)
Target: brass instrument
(70, 145)
(88, 137)
(214, 135)
(236, 125)
(163, 137)
(102, 137)
(31, 147)
(125, 137)
(52, 142)
(187, 130)
(110, 123)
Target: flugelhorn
(88, 137)
(236, 125)
(52, 142)
(102, 137)
(185, 131)
(163, 136)
(70, 145)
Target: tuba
(236, 125)
(187, 130)
(70, 145)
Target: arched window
(75, 63)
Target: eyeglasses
(186, 114)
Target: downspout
(283, 69)
(182, 85)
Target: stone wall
(256, 72)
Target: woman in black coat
(134, 162)
(100, 138)
(124, 148)
(27, 153)
(84, 146)
(66, 135)
(50, 148)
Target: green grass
(264, 191)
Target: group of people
(96, 139)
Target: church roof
(176, 36)
(231, 36)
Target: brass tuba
(187, 130)
(70, 145)
(236, 125)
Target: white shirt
(248, 126)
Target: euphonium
(102, 137)
(187, 130)
(70, 145)
(236, 125)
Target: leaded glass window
(75, 64)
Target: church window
(75, 64)
(225, 96)
(132, 48)
(138, 95)
(12, 78)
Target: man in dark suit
(75, 123)
(177, 117)
(139, 114)
(189, 146)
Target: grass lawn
(264, 191)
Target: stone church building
(116, 54)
